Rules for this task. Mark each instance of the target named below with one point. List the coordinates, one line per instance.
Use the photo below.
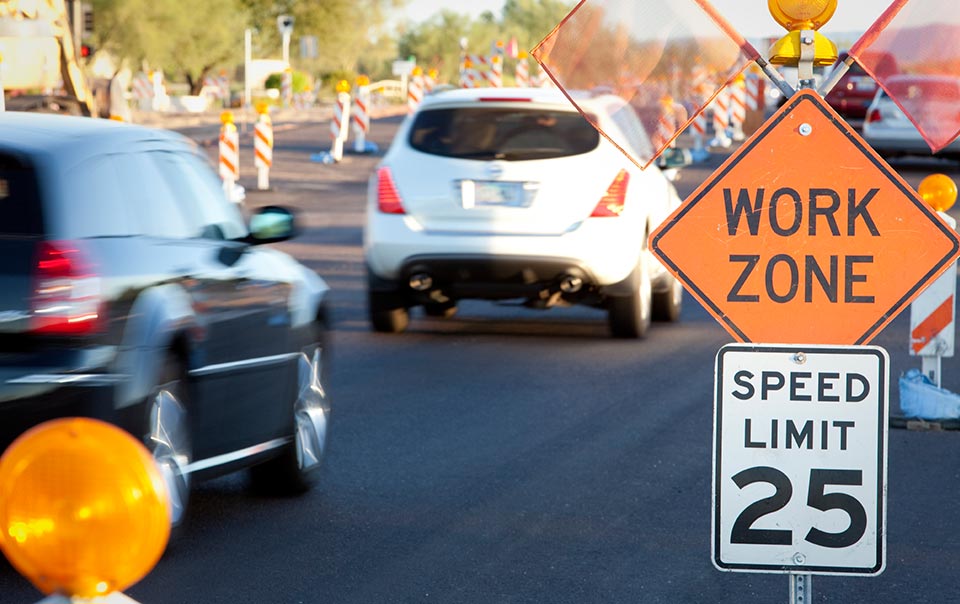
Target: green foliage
(301, 81)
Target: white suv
(506, 194)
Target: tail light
(874, 116)
(66, 294)
(388, 199)
(611, 204)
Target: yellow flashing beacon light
(343, 86)
(84, 512)
(939, 191)
(797, 16)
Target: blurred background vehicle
(510, 194)
(888, 130)
(39, 41)
(133, 292)
(853, 93)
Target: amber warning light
(83, 509)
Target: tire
(167, 434)
(297, 468)
(667, 304)
(441, 311)
(629, 316)
(387, 314)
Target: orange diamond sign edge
(805, 235)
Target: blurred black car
(132, 291)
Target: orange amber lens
(83, 508)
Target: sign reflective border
(805, 235)
(800, 459)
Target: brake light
(611, 204)
(874, 116)
(66, 294)
(388, 199)
(504, 99)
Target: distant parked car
(510, 194)
(133, 292)
(888, 130)
(853, 93)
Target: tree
(436, 42)
(188, 38)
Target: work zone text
(818, 212)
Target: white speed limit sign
(800, 459)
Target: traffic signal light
(88, 20)
(86, 51)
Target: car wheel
(387, 314)
(168, 435)
(440, 310)
(629, 315)
(295, 470)
(667, 304)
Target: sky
(750, 17)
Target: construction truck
(39, 69)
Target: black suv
(132, 291)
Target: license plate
(864, 83)
(488, 193)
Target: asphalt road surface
(512, 455)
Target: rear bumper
(491, 277)
(605, 251)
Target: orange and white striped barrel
(522, 72)
(263, 148)
(666, 125)
(361, 119)
(430, 80)
(755, 91)
(721, 119)
(933, 313)
(496, 72)
(738, 108)
(339, 123)
(229, 152)
(414, 90)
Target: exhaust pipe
(420, 282)
(570, 284)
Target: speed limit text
(829, 387)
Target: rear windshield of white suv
(510, 134)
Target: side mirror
(271, 224)
(676, 158)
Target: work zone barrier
(361, 119)
(150, 91)
(522, 71)
(263, 148)
(414, 90)
(721, 119)
(216, 88)
(229, 154)
(738, 109)
(338, 124)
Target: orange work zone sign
(805, 235)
